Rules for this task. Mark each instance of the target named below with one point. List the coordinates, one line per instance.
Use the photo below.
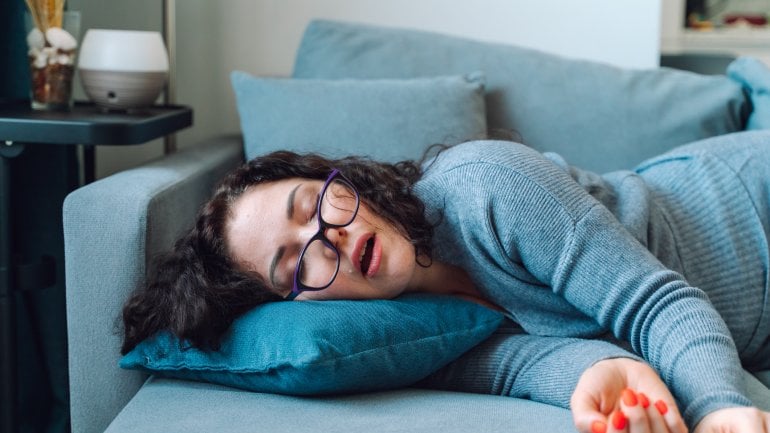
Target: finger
(599, 427)
(654, 418)
(662, 407)
(587, 413)
(765, 419)
(655, 391)
(590, 422)
(635, 414)
(618, 423)
(670, 414)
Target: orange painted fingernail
(629, 398)
(618, 420)
(644, 400)
(598, 427)
(662, 407)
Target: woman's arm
(608, 275)
(537, 241)
(515, 364)
(576, 246)
(588, 376)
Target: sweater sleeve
(526, 218)
(512, 363)
(574, 245)
(672, 325)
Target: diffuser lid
(123, 50)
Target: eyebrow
(290, 202)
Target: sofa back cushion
(597, 116)
(385, 119)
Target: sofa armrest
(112, 230)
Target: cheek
(348, 286)
(400, 257)
(343, 287)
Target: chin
(392, 292)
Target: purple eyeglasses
(319, 260)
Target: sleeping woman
(641, 294)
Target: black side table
(23, 130)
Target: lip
(360, 244)
(374, 265)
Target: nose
(337, 238)
(335, 235)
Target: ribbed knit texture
(571, 254)
(515, 364)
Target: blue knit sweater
(672, 259)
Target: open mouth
(366, 255)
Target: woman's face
(271, 222)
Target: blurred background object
(708, 14)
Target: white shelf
(728, 37)
(735, 41)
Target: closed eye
(301, 273)
(313, 209)
(289, 264)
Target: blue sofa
(596, 116)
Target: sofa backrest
(597, 116)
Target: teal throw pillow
(754, 75)
(389, 120)
(595, 115)
(325, 347)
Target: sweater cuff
(705, 404)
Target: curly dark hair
(196, 291)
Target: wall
(261, 36)
(671, 23)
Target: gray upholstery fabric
(758, 390)
(764, 377)
(388, 120)
(596, 116)
(169, 406)
(112, 227)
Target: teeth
(363, 252)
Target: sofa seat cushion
(170, 406)
(597, 116)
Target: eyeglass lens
(320, 261)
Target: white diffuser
(123, 69)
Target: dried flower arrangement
(51, 55)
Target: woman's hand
(624, 395)
(735, 420)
